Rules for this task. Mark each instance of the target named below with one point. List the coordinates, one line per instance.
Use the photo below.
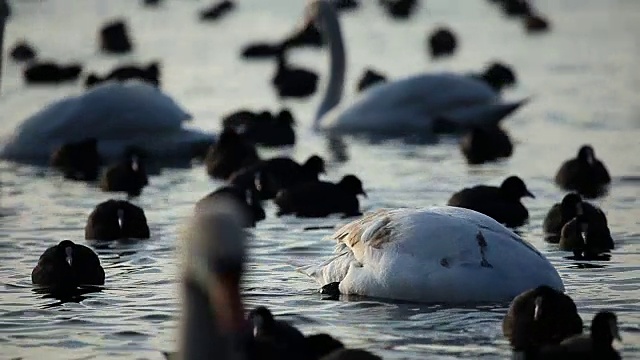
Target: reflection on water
(584, 82)
(65, 295)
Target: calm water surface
(583, 78)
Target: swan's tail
(333, 269)
(478, 116)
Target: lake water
(585, 84)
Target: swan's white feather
(433, 255)
(412, 104)
(117, 114)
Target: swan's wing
(480, 115)
(410, 102)
(372, 231)
(352, 241)
(435, 93)
(107, 111)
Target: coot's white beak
(538, 308)
(120, 215)
(69, 255)
(613, 325)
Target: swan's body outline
(403, 106)
(116, 114)
(437, 254)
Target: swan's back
(438, 254)
(112, 107)
(415, 100)
(109, 111)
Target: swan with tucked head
(118, 115)
(437, 254)
(413, 105)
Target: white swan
(407, 106)
(116, 114)
(437, 254)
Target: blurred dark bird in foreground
(370, 77)
(229, 154)
(68, 265)
(22, 51)
(306, 35)
(151, 3)
(346, 5)
(584, 174)
(263, 128)
(149, 74)
(114, 38)
(51, 73)
(485, 144)
(113, 220)
(442, 42)
(78, 160)
(498, 75)
(293, 82)
(217, 11)
(129, 175)
(399, 9)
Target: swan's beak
(69, 255)
(529, 194)
(364, 193)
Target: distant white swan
(437, 254)
(407, 106)
(116, 114)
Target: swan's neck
(4, 13)
(200, 337)
(333, 93)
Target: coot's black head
(604, 328)
(73, 70)
(543, 302)
(323, 344)
(65, 251)
(570, 206)
(261, 319)
(135, 156)
(499, 76)
(228, 137)
(442, 42)
(285, 117)
(587, 154)
(352, 184)
(264, 116)
(515, 188)
(252, 197)
(92, 80)
(153, 70)
(315, 164)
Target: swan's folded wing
(481, 114)
(370, 232)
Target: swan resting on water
(118, 115)
(411, 106)
(436, 254)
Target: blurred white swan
(408, 106)
(437, 254)
(116, 114)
